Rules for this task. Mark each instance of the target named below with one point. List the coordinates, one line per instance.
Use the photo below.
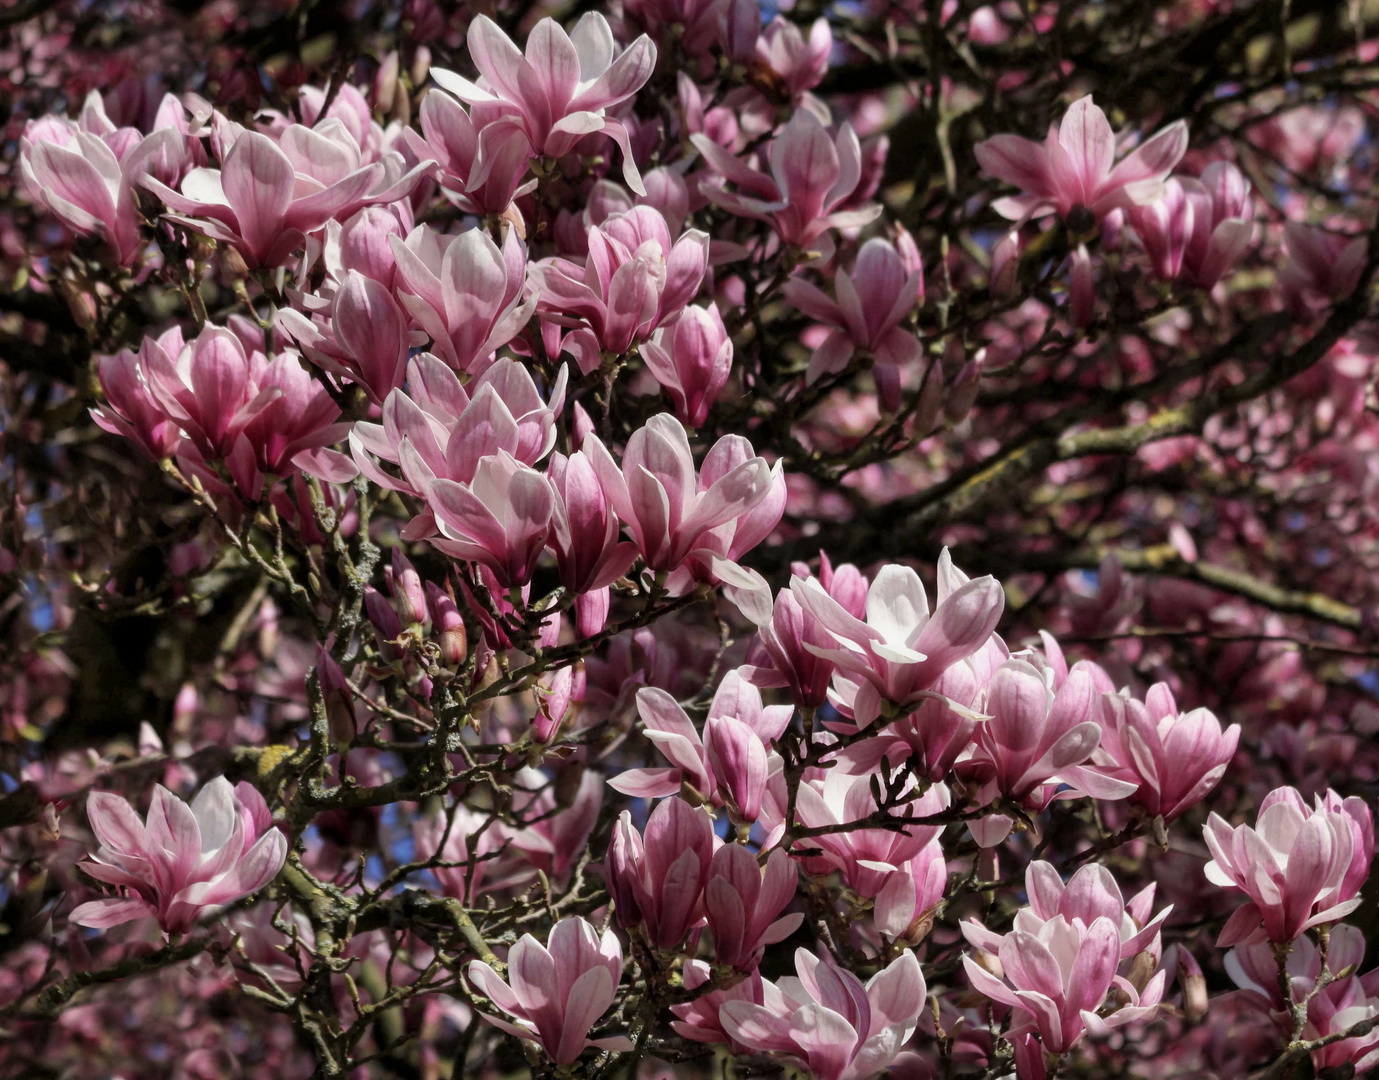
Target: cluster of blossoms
(483, 525)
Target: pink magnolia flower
(672, 510)
(439, 429)
(1037, 737)
(361, 243)
(910, 893)
(901, 649)
(186, 861)
(1300, 867)
(787, 637)
(463, 291)
(84, 172)
(827, 1019)
(865, 856)
(941, 729)
(725, 767)
(633, 280)
(448, 838)
(657, 879)
(743, 903)
(294, 428)
(872, 302)
(1091, 893)
(811, 177)
(698, 1019)
(1321, 266)
(800, 62)
(560, 91)
(556, 992)
(1174, 758)
(208, 387)
(1057, 978)
(1336, 1009)
(554, 841)
(1332, 1008)
(365, 340)
(691, 359)
(1076, 167)
(130, 408)
(264, 203)
(1197, 228)
(584, 532)
(500, 519)
(482, 162)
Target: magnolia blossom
(1058, 977)
(800, 61)
(267, 196)
(691, 360)
(634, 278)
(464, 291)
(561, 89)
(500, 519)
(729, 766)
(827, 1019)
(440, 429)
(84, 171)
(865, 856)
(1197, 228)
(482, 163)
(1300, 867)
(1037, 736)
(901, 649)
(584, 538)
(365, 340)
(556, 992)
(185, 861)
(1321, 266)
(787, 635)
(1091, 893)
(657, 880)
(674, 512)
(812, 176)
(910, 893)
(872, 302)
(1332, 1008)
(1174, 758)
(742, 902)
(1075, 167)
(698, 1019)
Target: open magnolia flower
(185, 862)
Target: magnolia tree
(686, 538)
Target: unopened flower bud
(268, 628)
(930, 401)
(552, 702)
(1141, 970)
(1194, 985)
(1005, 266)
(421, 65)
(963, 394)
(1081, 289)
(385, 83)
(409, 598)
(233, 264)
(337, 697)
(385, 622)
(447, 625)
